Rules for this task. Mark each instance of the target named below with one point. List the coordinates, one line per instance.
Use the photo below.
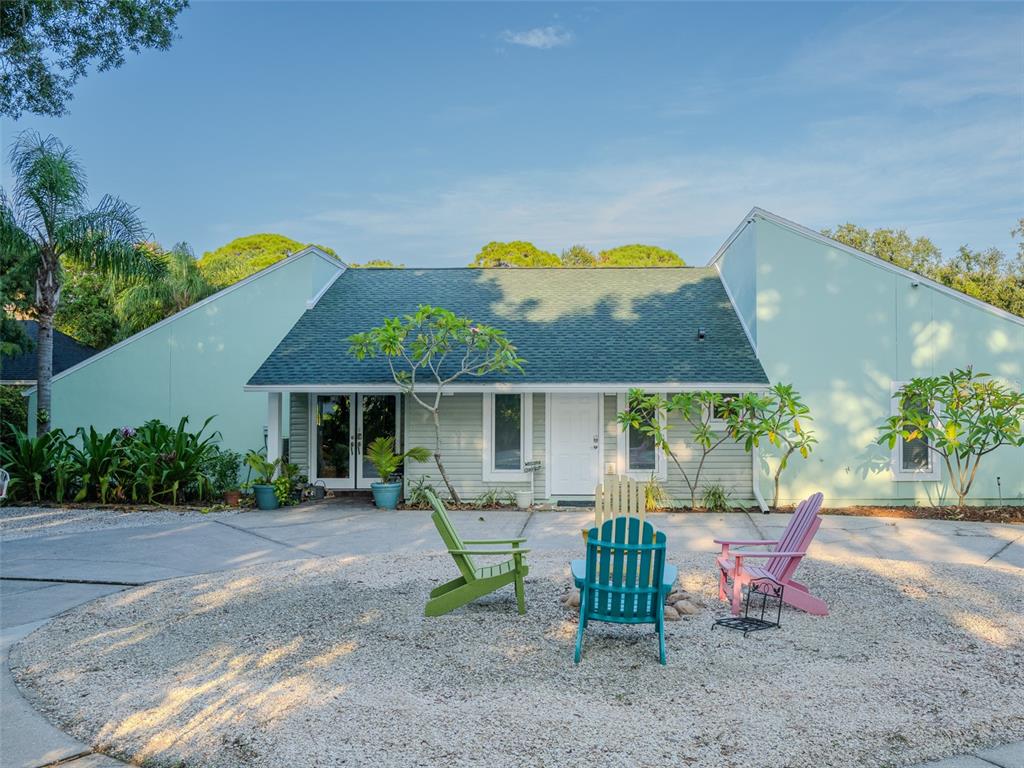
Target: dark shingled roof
(66, 353)
(571, 325)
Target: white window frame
(622, 449)
(899, 474)
(490, 474)
(714, 423)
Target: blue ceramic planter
(385, 495)
(265, 498)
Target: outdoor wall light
(701, 333)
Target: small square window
(641, 451)
(912, 459)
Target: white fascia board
(610, 388)
(311, 249)
(736, 310)
(760, 213)
(310, 303)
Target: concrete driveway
(63, 566)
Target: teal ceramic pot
(265, 498)
(385, 495)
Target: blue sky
(419, 132)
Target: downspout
(756, 477)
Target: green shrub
(13, 413)
(222, 468)
(716, 499)
(418, 492)
(154, 463)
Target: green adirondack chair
(475, 581)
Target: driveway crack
(299, 547)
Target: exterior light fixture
(701, 333)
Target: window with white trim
(507, 435)
(720, 411)
(911, 459)
(639, 456)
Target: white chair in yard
(5, 480)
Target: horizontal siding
(539, 447)
(298, 435)
(728, 465)
(461, 445)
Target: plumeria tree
(46, 220)
(961, 417)
(431, 349)
(780, 417)
(650, 414)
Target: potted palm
(381, 454)
(263, 484)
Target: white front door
(333, 433)
(575, 444)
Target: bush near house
(155, 464)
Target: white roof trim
(310, 303)
(309, 249)
(799, 229)
(610, 388)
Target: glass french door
(378, 416)
(345, 425)
(334, 417)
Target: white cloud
(945, 182)
(539, 37)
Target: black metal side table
(764, 597)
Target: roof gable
(571, 325)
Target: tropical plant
(495, 497)
(781, 417)
(287, 483)
(649, 414)
(961, 417)
(420, 492)
(144, 303)
(442, 347)
(716, 499)
(264, 469)
(97, 462)
(655, 495)
(31, 462)
(46, 221)
(381, 454)
(170, 461)
(86, 311)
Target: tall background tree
(47, 45)
(247, 255)
(146, 302)
(46, 221)
(989, 275)
(517, 253)
(638, 255)
(520, 253)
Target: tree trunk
(47, 294)
(437, 460)
(44, 372)
(778, 474)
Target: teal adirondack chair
(475, 581)
(624, 581)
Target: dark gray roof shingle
(572, 325)
(66, 353)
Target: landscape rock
(671, 614)
(686, 608)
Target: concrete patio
(47, 574)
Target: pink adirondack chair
(783, 560)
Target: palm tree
(47, 220)
(144, 303)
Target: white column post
(273, 426)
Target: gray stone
(671, 614)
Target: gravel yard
(25, 522)
(330, 662)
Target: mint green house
(195, 363)
(777, 303)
